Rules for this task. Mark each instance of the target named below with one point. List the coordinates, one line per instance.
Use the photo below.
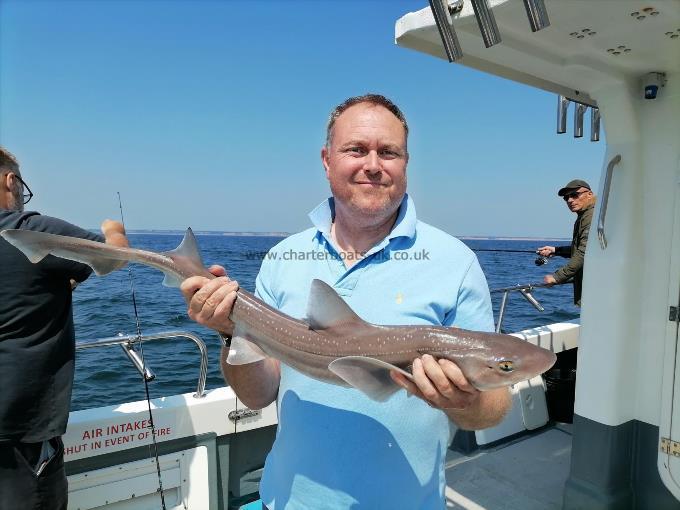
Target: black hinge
(673, 314)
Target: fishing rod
(540, 260)
(144, 371)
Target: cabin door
(669, 426)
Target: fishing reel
(541, 261)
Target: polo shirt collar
(405, 226)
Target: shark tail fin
(37, 245)
(33, 248)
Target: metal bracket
(670, 447)
(455, 6)
(242, 414)
(673, 314)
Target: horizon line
(274, 233)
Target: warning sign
(129, 434)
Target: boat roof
(588, 44)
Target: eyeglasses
(27, 193)
(574, 195)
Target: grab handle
(605, 199)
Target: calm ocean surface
(103, 308)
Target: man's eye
(388, 153)
(354, 150)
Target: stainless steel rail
(130, 340)
(605, 200)
(525, 291)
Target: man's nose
(372, 162)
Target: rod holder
(562, 107)
(532, 300)
(594, 124)
(133, 355)
(487, 23)
(579, 111)
(501, 312)
(537, 13)
(442, 19)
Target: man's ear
(6, 181)
(324, 159)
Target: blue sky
(211, 114)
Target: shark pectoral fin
(369, 375)
(242, 350)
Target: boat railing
(525, 292)
(127, 343)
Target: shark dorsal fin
(188, 248)
(326, 310)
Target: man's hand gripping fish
(333, 344)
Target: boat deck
(527, 473)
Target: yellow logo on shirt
(400, 298)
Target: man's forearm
(563, 251)
(486, 412)
(570, 269)
(256, 384)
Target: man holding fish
(37, 349)
(336, 447)
(345, 427)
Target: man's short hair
(8, 163)
(375, 99)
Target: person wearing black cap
(580, 200)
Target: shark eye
(506, 366)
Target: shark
(332, 343)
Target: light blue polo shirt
(335, 448)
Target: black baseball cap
(572, 185)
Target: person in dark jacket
(37, 351)
(580, 200)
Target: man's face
(366, 161)
(578, 199)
